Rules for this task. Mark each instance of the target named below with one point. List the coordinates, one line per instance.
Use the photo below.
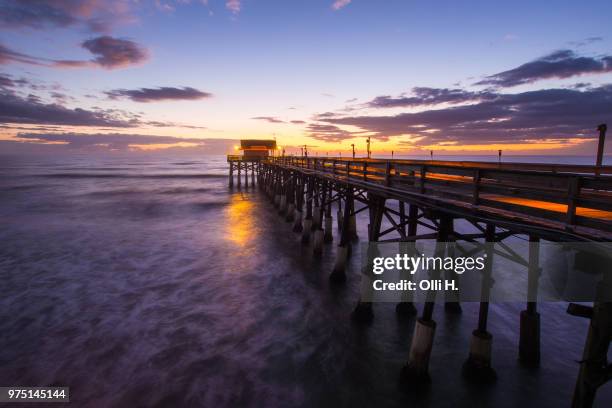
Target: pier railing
(573, 195)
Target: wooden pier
(540, 201)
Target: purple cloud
(110, 140)
(298, 122)
(46, 142)
(16, 109)
(269, 119)
(158, 94)
(233, 5)
(8, 56)
(109, 53)
(423, 96)
(338, 4)
(96, 15)
(112, 52)
(329, 133)
(560, 64)
(504, 118)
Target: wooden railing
(574, 195)
(242, 158)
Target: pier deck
(569, 202)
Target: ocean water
(146, 281)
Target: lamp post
(368, 151)
(600, 147)
(353, 146)
(499, 154)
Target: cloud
(560, 64)
(270, 119)
(113, 52)
(56, 142)
(424, 96)
(338, 4)
(95, 15)
(17, 109)
(110, 140)
(8, 56)
(6, 81)
(298, 122)
(109, 53)
(329, 133)
(586, 41)
(158, 94)
(504, 118)
(233, 5)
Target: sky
(464, 77)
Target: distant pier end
(253, 151)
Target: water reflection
(240, 226)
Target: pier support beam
(329, 237)
(290, 199)
(529, 343)
(363, 312)
(231, 174)
(594, 367)
(451, 304)
(416, 371)
(319, 235)
(299, 204)
(409, 225)
(338, 275)
(308, 220)
(339, 215)
(478, 364)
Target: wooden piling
(338, 274)
(416, 371)
(594, 367)
(529, 338)
(478, 364)
(363, 311)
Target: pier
(422, 200)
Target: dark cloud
(158, 94)
(32, 110)
(560, 64)
(109, 53)
(95, 15)
(586, 41)
(424, 96)
(17, 109)
(8, 56)
(270, 119)
(328, 133)
(6, 81)
(506, 118)
(298, 122)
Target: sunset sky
(457, 77)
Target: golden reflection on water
(240, 223)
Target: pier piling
(478, 364)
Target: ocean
(145, 281)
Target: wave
(133, 191)
(124, 175)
